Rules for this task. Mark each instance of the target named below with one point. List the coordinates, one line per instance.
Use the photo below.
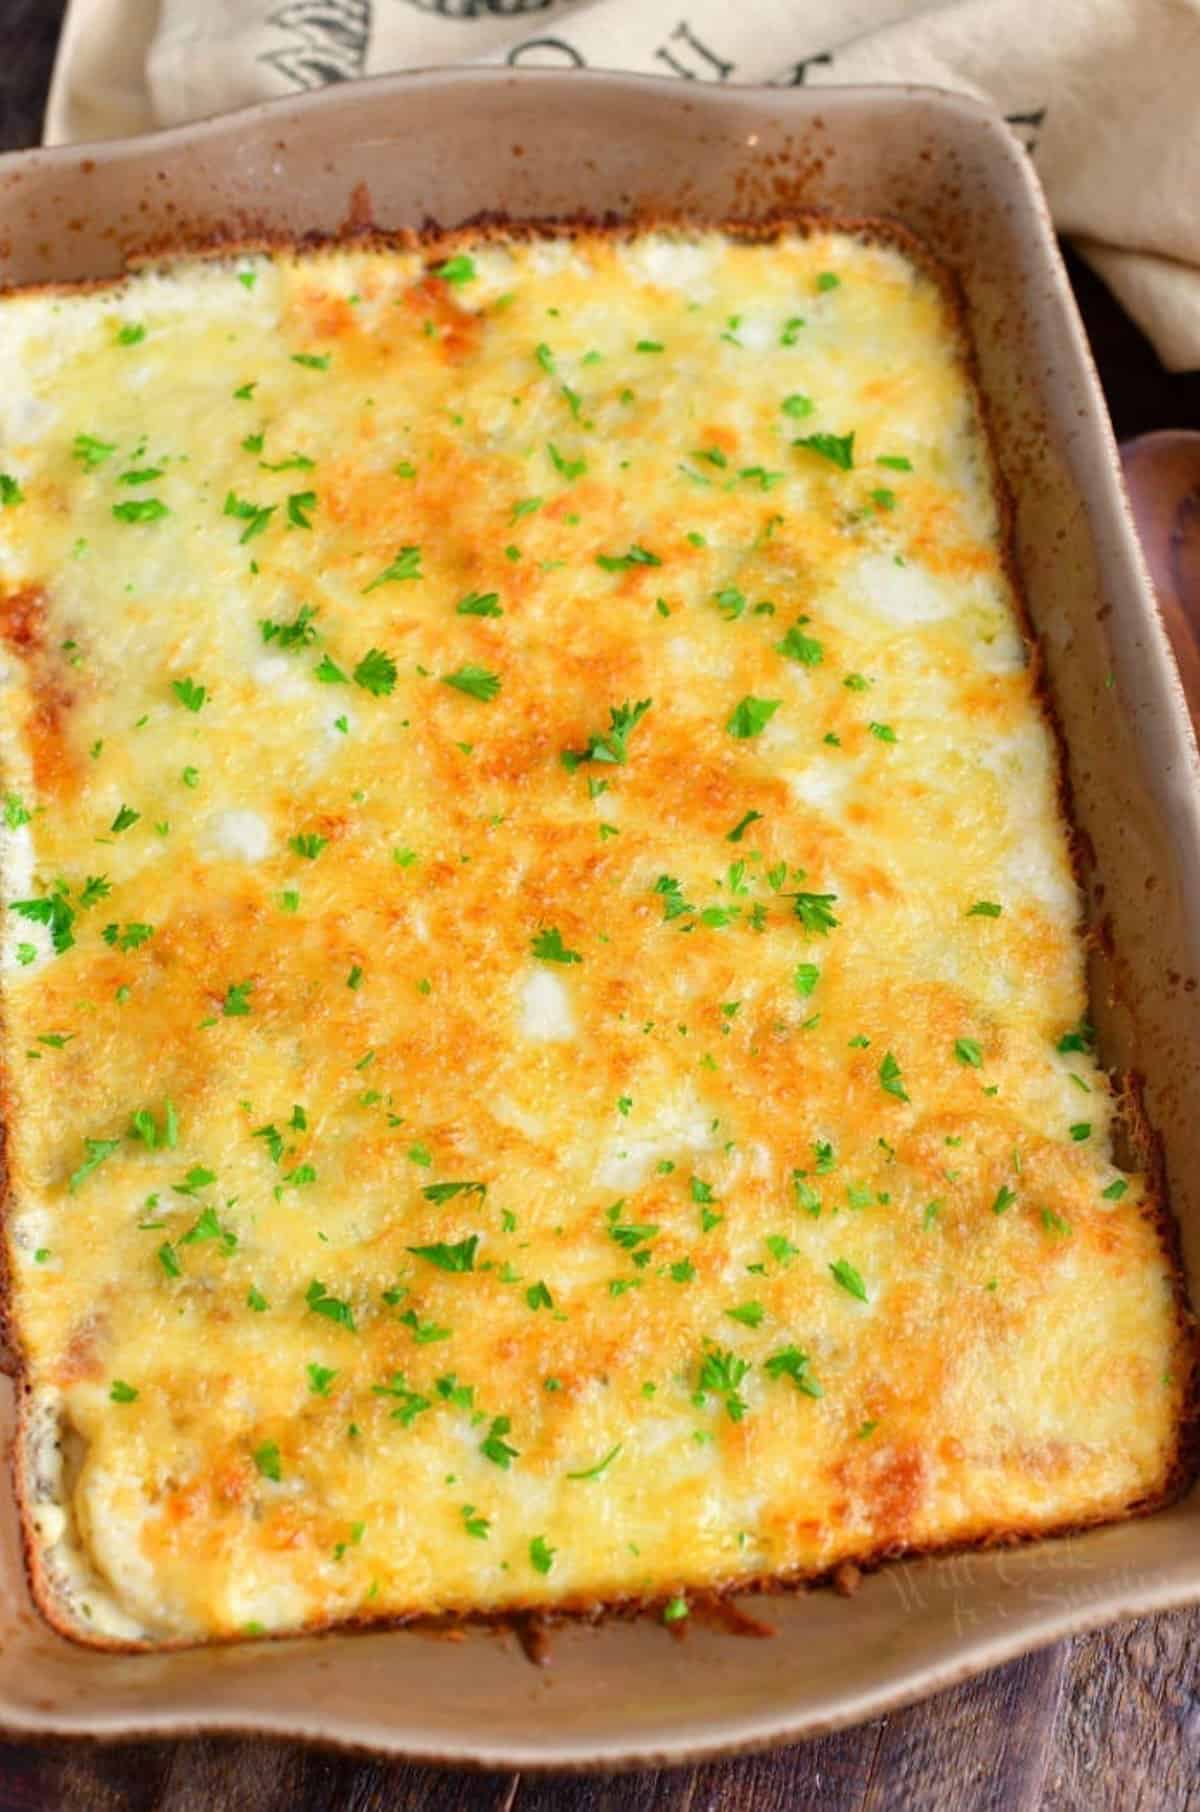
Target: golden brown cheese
(544, 1007)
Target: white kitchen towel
(1104, 93)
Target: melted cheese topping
(542, 972)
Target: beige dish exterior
(449, 146)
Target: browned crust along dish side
(713, 1605)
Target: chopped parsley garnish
(1054, 1223)
(459, 269)
(750, 716)
(406, 565)
(91, 452)
(331, 1307)
(742, 826)
(843, 1272)
(1115, 1190)
(1005, 1197)
(882, 732)
(97, 1151)
(124, 819)
(806, 1196)
(168, 1259)
(613, 746)
(425, 1333)
(495, 1448)
(805, 977)
(479, 604)
(120, 1392)
(127, 937)
(144, 1126)
(409, 1403)
(827, 280)
(476, 682)
(548, 947)
(55, 912)
(256, 1300)
(593, 1472)
(313, 361)
(890, 1078)
(566, 468)
(255, 516)
(190, 695)
(236, 1004)
(622, 563)
(329, 673)
(813, 912)
(141, 509)
(376, 673)
(984, 909)
(968, 1051)
(796, 646)
(319, 1379)
(838, 448)
(895, 461)
(797, 406)
(1081, 1130)
(460, 1257)
(474, 1524)
(750, 1314)
(307, 844)
(721, 1372)
(541, 1554)
(791, 1363)
(446, 1192)
(295, 462)
(131, 334)
(297, 634)
(300, 506)
(206, 1226)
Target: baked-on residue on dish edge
(545, 1025)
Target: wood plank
(82, 1777)
(1128, 1731)
(985, 1744)
(832, 1772)
(211, 1774)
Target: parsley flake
(750, 716)
(837, 448)
(406, 565)
(476, 682)
(455, 1258)
(843, 1272)
(548, 947)
(331, 1307)
(890, 1078)
(190, 695)
(376, 673)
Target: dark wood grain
(985, 1745)
(1127, 1736)
(1109, 1723)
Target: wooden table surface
(1103, 1723)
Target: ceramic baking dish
(451, 145)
